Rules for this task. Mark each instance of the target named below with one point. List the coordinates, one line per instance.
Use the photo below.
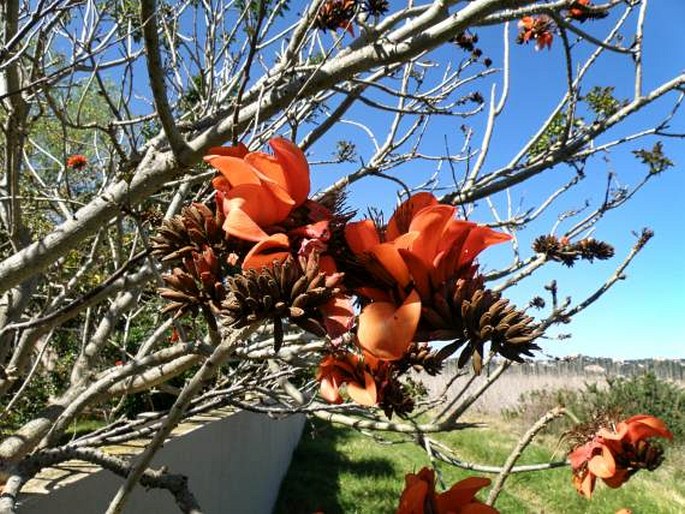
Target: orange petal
(283, 203)
(327, 265)
(578, 456)
(405, 241)
(585, 485)
(413, 498)
(240, 151)
(361, 236)
(644, 426)
(221, 183)
(238, 223)
(460, 493)
(262, 203)
(400, 220)
(603, 465)
(455, 233)
(419, 272)
(338, 315)
(430, 223)
(365, 395)
(296, 166)
(387, 255)
(276, 247)
(478, 240)
(236, 171)
(268, 168)
(343, 366)
(328, 390)
(386, 330)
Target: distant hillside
(581, 365)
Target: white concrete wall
(234, 465)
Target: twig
(155, 70)
(525, 440)
(208, 369)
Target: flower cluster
(422, 247)
(262, 218)
(536, 28)
(266, 252)
(581, 11)
(77, 162)
(339, 14)
(616, 452)
(419, 496)
(541, 28)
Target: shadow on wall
(234, 464)
(317, 466)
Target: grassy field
(337, 470)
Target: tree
(107, 112)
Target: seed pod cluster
(420, 356)
(182, 292)
(561, 250)
(293, 289)
(394, 398)
(195, 228)
(487, 317)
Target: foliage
(625, 396)
(602, 102)
(654, 158)
(554, 134)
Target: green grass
(337, 470)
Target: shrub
(644, 394)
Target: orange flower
(255, 190)
(77, 162)
(421, 248)
(419, 496)
(614, 455)
(336, 370)
(538, 28)
(579, 11)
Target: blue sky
(640, 316)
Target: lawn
(338, 470)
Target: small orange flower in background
(615, 454)
(336, 14)
(579, 11)
(537, 28)
(422, 246)
(419, 496)
(77, 162)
